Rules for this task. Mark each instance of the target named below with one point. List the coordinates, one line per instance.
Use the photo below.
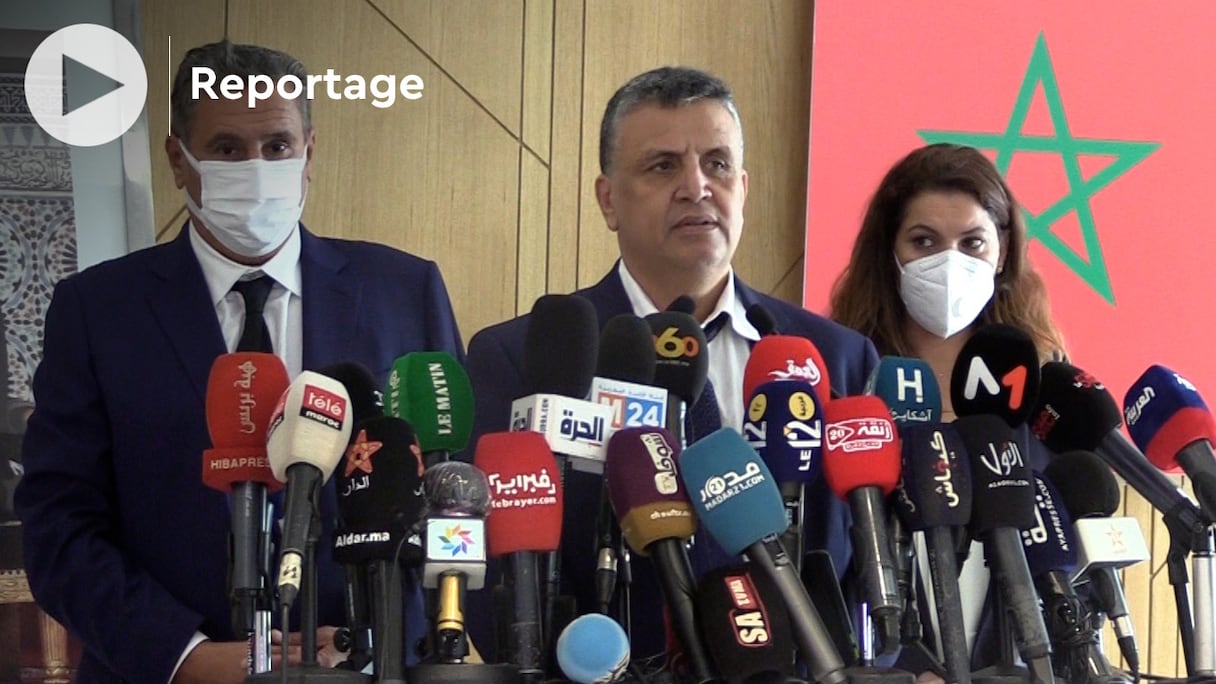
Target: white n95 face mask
(945, 292)
(250, 206)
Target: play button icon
(85, 85)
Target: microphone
(1171, 424)
(908, 388)
(366, 400)
(935, 497)
(784, 424)
(736, 499)
(656, 519)
(1076, 411)
(861, 460)
(745, 624)
(525, 519)
(1051, 556)
(1003, 504)
(681, 365)
(458, 497)
(379, 500)
(786, 357)
(1090, 493)
(308, 433)
(593, 649)
(762, 320)
(996, 373)
(242, 389)
(431, 391)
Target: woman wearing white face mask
(941, 250)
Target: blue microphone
(593, 649)
(909, 389)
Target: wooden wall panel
(566, 193)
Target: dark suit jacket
(496, 368)
(123, 542)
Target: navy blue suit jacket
(123, 542)
(496, 368)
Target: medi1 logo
(323, 406)
(204, 82)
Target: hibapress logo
(108, 85)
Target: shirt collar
(221, 273)
(727, 303)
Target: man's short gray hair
(227, 58)
(666, 87)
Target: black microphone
(996, 373)
(1003, 504)
(681, 365)
(1051, 554)
(762, 320)
(935, 497)
(1089, 491)
(746, 625)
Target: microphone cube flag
(644, 488)
(311, 424)
(432, 391)
(242, 391)
(732, 491)
(784, 424)
(862, 448)
(935, 484)
(785, 357)
(525, 492)
(1164, 414)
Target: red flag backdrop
(1100, 116)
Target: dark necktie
(704, 417)
(255, 336)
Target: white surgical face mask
(945, 292)
(250, 206)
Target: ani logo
(456, 540)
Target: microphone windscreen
(862, 448)
(786, 357)
(682, 304)
(561, 346)
(366, 400)
(626, 350)
(1074, 410)
(379, 487)
(681, 361)
(310, 424)
(1002, 483)
(908, 388)
(732, 491)
(593, 649)
(645, 491)
(996, 373)
(456, 488)
(784, 424)
(1049, 543)
(935, 487)
(762, 320)
(525, 492)
(1085, 483)
(242, 390)
(431, 390)
(1165, 414)
(745, 623)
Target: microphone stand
(1003, 671)
(1191, 536)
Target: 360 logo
(670, 346)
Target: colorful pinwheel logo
(456, 540)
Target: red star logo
(359, 454)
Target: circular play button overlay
(85, 85)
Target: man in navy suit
(123, 542)
(672, 188)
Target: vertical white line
(169, 81)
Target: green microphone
(431, 391)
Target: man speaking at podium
(124, 544)
(672, 187)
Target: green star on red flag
(1091, 267)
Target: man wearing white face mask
(124, 544)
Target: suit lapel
(608, 296)
(331, 303)
(183, 308)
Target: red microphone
(242, 391)
(786, 357)
(861, 461)
(525, 519)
